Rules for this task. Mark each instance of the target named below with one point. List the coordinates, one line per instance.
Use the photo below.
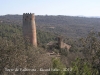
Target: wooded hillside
(69, 26)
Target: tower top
(28, 16)
(28, 13)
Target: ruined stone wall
(29, 28)
(61, 44)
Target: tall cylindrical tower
(29, 28)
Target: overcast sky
(51, 7)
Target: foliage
(90, 46)
(69, 26)
(44, 37)
(64, 52)
(81, 67)
(17, 53)
(56, 64)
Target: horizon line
(57, 15)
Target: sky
(51, 7)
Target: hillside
(69, 26)
(82, 58)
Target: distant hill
(69, 26)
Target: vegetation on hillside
(82, 59)
(69, 26)
(16, 53)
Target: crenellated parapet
(28, 13)
(28, 16)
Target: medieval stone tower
(29, 28)
(60, 42)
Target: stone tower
(60, 42)
(29, 28)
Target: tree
(56, 64)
